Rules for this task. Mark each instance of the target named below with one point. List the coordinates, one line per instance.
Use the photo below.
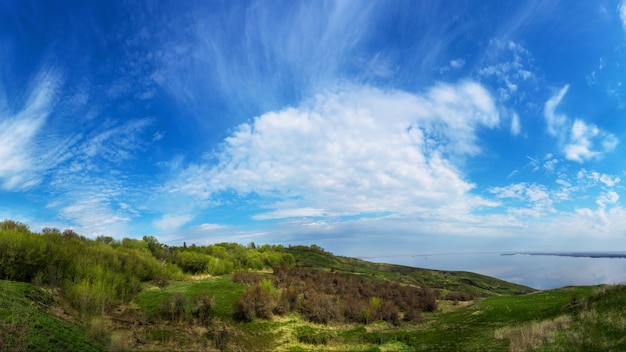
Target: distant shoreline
(573, 254)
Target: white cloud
(116, 143)
(92, 215)
(18, 167)
(608, 180)
(515, 124)
(290, 213)
(351, 151)
(508, 63)
(529, 192)
(591, 178)
(457, 63)
(93, 193)
(556, 122)
(609, 197)
(208, 227)
(534, 199)
(171, 223)
(579, 140)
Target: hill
(62, 291)
(479, 285)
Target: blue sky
(389, 127)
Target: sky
(365, 127)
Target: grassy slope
(595, 315)
(26, 324)
(597, 324)
(479, 285)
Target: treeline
(324, 297)
(97, 275)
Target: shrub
(321, 308)
(203, 308)
(428, 301)
(220, 333)
(175, 310)
(255, 303)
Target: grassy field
(504, 317)
(225, 292)
(553, 320)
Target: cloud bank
(351, 152)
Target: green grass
(473, 328)
(225, 292)
(594, 316)
(26, 325)
(600, 326)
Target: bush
(255, 303)
(321, 308)
(174, 309)
(203, 308)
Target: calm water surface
(541, 272)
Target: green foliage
(25, 325)
(14, 225)
(192, 262)
(22, 254)
(94, 275)
(217, 266)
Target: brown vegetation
(324, 297)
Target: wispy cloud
(18, 131)
(170, 223)
(509, 65)
(290, 213)
(578, 140)
(535, 199)
(352, 151)
(552, 200)
(516, 127)
(115, 142)
(274, 65)
(621, 9)
(91, 184)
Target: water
(537, 271)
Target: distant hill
(462, 281)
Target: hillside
(61, 291)
(475, 284)
(566, 319)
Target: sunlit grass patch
(224, 291)
(530, 336)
